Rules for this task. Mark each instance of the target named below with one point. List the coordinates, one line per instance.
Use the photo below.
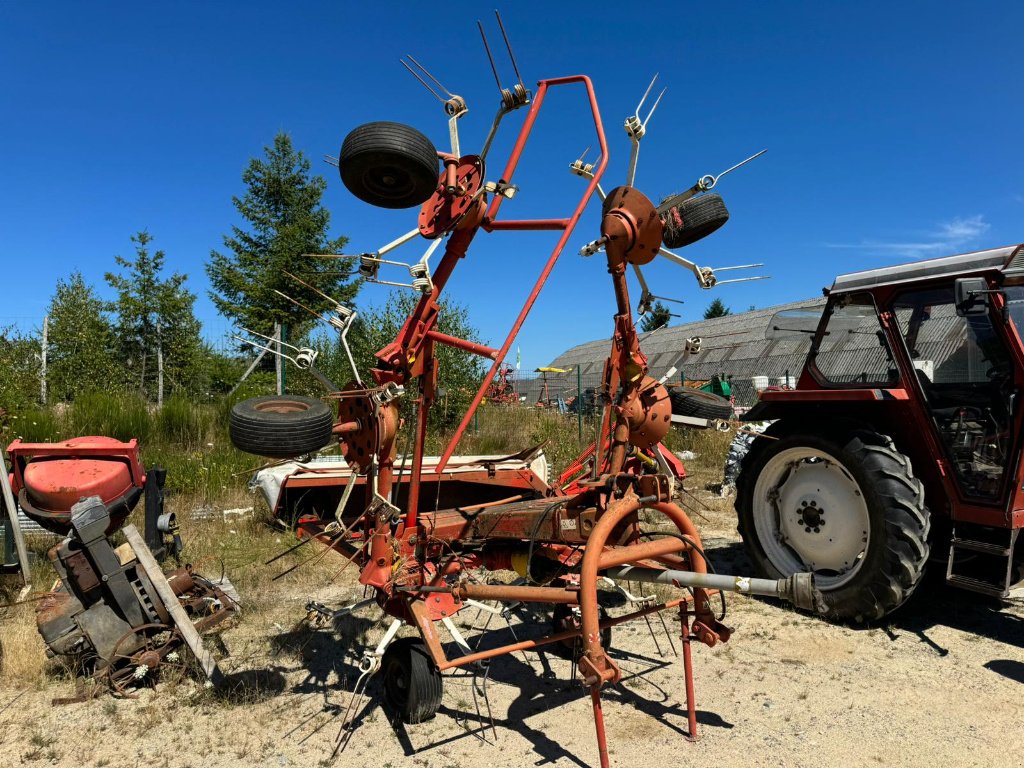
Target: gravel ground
(939, 684)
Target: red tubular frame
(566, 225)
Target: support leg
(602, 742)
(691, 705)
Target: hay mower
(421, 560)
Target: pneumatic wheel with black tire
(280, 426)
(693, 220)
(412, 682)
(389, 165)
(696, 402)
(845, 506)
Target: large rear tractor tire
(280, 426)
(845, 506)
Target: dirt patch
(940, 683)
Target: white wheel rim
(810, 515)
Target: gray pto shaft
(798, 589)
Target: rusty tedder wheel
(281, 426)
(389, 165)
(844, 505)
(160, 654)
(693, 220)
(412, 682)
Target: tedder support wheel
(412, 682)
(704, 405)
(844, 505)
(280, 426)
(693, 220)
(389, 165)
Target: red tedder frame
(417, 335)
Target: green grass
(188, 439)
(121, 416)
(191, 441)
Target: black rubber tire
(704, 405)
(693, 220)
(389, 165)
(898, 544)
(412, 683)
(573, 649)
(280, 426)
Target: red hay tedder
(422, 559)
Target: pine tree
(155, 316)
(716, 309)
(658, 317)
(285, 219)
(82, 347)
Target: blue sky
(893, 133)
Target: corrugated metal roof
(994, 258)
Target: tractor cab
(911, 385)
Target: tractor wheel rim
(810, 515)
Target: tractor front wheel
(846, 507)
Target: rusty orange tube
(595, 556)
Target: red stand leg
(602, 742)
(691, 705)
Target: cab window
(851, 348)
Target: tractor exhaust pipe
(798, 589)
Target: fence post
(42, 358)
(159, 366)
(282, 339)
(579, 401)
(278, 361)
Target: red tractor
(902, 437)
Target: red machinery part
(49, 478)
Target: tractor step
(985, 576)
(985, 547)
(976, 585)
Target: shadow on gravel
(251, 686)
(937, 605)
(323, 653)
(1014, 670)
(544, 683)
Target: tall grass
(118, 415)
(507, 430)
(190, 440)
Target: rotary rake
(421, 563)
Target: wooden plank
(170, 601)
(12, 513)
